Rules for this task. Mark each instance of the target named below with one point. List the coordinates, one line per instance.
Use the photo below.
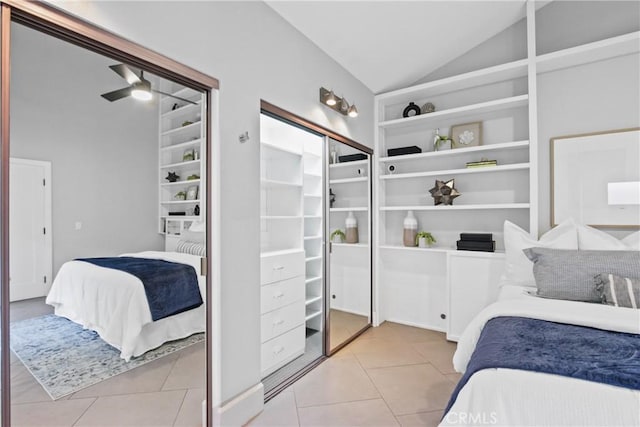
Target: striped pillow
(192, 248)
(618, 291)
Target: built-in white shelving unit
(182, 148)
(416, 286)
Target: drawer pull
(278, 350)
(278, 267)
(278, 322)
(278, 295)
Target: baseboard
(242, 408)
(417, 325)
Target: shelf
(281, 252)
(590, 52)
(344, 164)
(312, 279)
(186, 144)
(487, 206)
(279, 217)
(182, 111)
(181, 217)
(355, 245)
(179, 183)
(354, 209)
(312, 237)
(180, 202)
(281, 149)
(348, 180)
(312, 216)
(310, 314)
(181, 164)
(312, 299)
(312, 175)
(438, 116)
(456, 151)
(313, 258)
(417, 249)
(318, 196)
(503, 72)
(499, 168)
(182, 129)
(185, 92)
(271, 183)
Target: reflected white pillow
(518, 268)
(632, 241)
(590, 238)
(197, 226)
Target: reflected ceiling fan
(139, 87)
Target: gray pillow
(618, 291)
(568, 274)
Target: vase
(351, 224)
(422, 242)
(410, 226)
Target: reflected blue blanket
(555, 348)
(171, 287)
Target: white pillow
(197, 226)
(518, 268)
(192, 236)
(590, 238)
(632, 241)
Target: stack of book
(482, 163)
(482, 242)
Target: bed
(114, 304)
(588, 376)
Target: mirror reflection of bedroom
(106, 239)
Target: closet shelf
(180, 202)
(182, 145)
(280, 149)
(312, 216)
(272, 183)
(312, 299)
(345, 164)
(443, 250)
(181, 217)
(318, 196)
(280, 252)
(312, 175)
(348, 180)
(486, 206)
(591, 52)
(499, 168)
(498, 73)
(180, 129)
(181, 164)
(353, 209)
(354, 245)
(312, 279)
(437, 117)
(185, 110)
(312, 237)
(180, 183)
(456, 151)
(279, 217)
(313, 258)
(310, 313)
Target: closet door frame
(56, 23)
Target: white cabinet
(181, 167)
(472, 285)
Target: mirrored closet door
(307, 282)
(349, 230)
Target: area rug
(64, 358)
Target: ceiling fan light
(142, 91)
(331, 99)
(353, 111)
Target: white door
(30, 252)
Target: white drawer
(279, 294)
(281, 266)
(281, 349)
(282, 320)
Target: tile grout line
(175, 418)
(295, 403)
(95, 399)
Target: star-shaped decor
(172, 177)
(444, 192)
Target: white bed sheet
(113, 303)
(509, 397)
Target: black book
(403, 151)
(476, 246)
(352, 157)
(476, 237)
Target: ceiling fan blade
(126, 73)
(117, 94)
(173, 96)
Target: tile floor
(391, 375)
(166, 392)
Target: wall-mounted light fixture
(328, 98)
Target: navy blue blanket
(171, 287)
(556, 348)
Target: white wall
(593, 97)
(256, 55)
(104, 155)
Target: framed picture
(466, 135)
(192, 192)
(595, 178)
